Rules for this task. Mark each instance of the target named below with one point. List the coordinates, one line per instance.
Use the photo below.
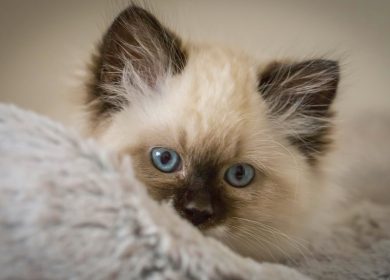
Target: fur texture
(71, 210)
(217, 107)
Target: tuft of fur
(299, 96)
(154, 52)
(215, 108)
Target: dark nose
(197, 207)
(196, 216)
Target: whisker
(296, 244)
(251, 242)
(258, 237)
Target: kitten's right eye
(165, 160)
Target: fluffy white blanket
(70, 210)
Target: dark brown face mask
(200, 202)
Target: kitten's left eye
(165, 160)
(240, 175)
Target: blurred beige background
(45, 43)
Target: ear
(299, 96)
(136, 53)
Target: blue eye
(240, 175)
(165, 160)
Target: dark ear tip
(332, 64)
(327, 62)
(133, 10)
(328, 65)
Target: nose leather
(198, 207)
(199, 200)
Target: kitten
(234, 145)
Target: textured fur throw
(70, 210)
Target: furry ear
(136, 53)
(299, 96)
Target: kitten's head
(233, 145)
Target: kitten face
(232, 144)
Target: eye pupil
(165, 157)
(240, 172)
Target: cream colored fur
(215, 103)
